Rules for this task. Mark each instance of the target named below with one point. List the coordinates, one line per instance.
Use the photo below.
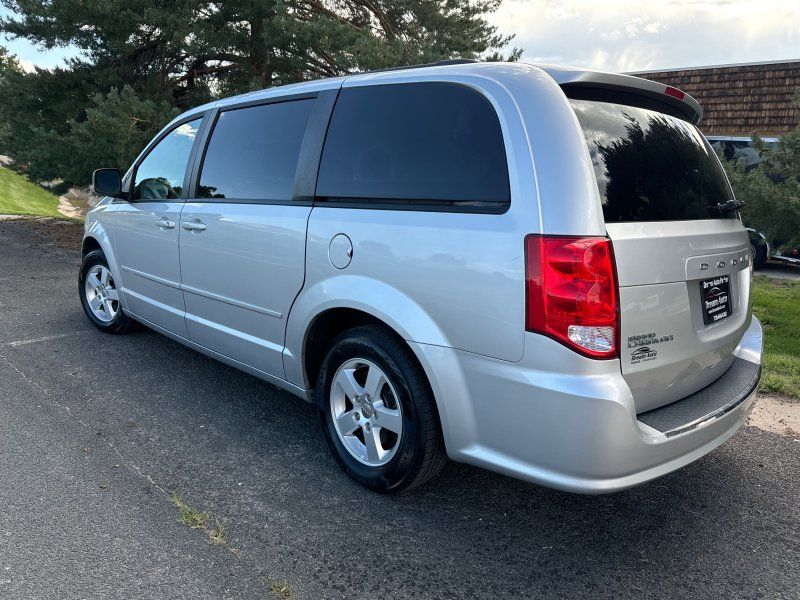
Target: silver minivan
(537, 270)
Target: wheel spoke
(93, 281)
(104, 274)
(372, 441)
(107, 307)
(348, 383)
(375, 382)
(113, 294)
(389, 418)
(346, 423)
(95, 303)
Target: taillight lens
(571, 287)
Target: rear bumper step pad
(713, 401)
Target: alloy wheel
(366, 412)
(101, 293)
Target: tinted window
(419, 142)
(160, 175)
(253, 152)
(651, 166)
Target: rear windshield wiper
(730, 206)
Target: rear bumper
(725, 394)
(567, 422)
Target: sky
(614, 35)
(29, 55)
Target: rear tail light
(571, 287)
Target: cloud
(654, 27)
(610, 36)
(632, 29)
(636, 26)
(619, 36)
(187, 130)
(557, 9)
(26, 65)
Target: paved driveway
(96, 431)
(780, 270)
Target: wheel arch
(96, 237)
(90, 244)
(354, 298)
(329, 323)
(324, 310)
(321, 332)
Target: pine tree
(771, 191)
(180, 53)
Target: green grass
(217, 534)
(776, 303)
(196, 519)
(18, 196)
(189, 516)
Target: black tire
(420, 453)
(121, 323)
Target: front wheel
(377, 411)
(100, 296)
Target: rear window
(425, 143)
(650, 166)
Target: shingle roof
(740, 99)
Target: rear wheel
(378, 413)
(100, 296)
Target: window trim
(308, 158)
(450, 206)
(131, 184)
(454, 206)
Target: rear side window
(650, 166)
(253, 152)
(422, 143)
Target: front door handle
(193, 225)
(165, 223)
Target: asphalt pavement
(779, 270)
(97, 431)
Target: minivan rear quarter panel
(464, 272)
(446, 278)
(464, 277)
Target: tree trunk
(261, 67)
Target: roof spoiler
(628, 90)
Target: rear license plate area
(715, 295)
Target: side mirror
(107, 182)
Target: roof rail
(438, 63)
